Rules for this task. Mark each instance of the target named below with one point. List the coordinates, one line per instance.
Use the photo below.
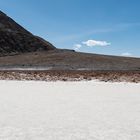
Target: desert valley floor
(69, 110)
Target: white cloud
(77, 47)
(126, 54)
(92, 43)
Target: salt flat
(69, 111)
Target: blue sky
(96, 26)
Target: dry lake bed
(91, 110)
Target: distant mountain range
(21, 49)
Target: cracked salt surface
(69, 111)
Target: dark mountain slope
(14, 39)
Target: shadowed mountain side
(14, 39)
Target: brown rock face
(14, 39)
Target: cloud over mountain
(77, 47)
(92, 43)
(126, 54)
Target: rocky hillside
(14, 39)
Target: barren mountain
(14, 39)
(21, 49)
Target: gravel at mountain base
(56, 75)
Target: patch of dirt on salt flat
(63, 75)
